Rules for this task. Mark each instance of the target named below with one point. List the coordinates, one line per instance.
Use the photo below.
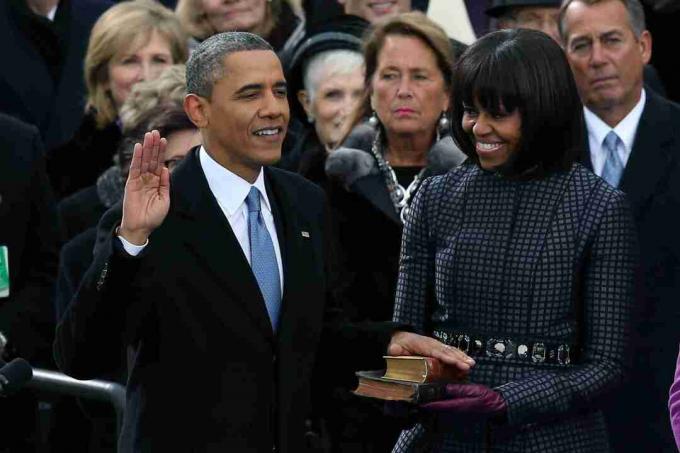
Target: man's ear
(645, 42)
(197, 109)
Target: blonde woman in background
(274, 20)
(132, 42)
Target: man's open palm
(147, 190)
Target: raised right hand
(147, 191)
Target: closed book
(419, 369)
(372, 384)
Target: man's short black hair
(523, 70)
(206, 63)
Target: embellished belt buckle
(501, 349)
(538, 353)
(563, 354)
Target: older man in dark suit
(634, 143)
(223, 304)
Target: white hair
(328, 63)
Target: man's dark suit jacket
(208, 374)
(638, 420)
(28, 227)
(27, 90)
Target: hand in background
(147, 191)
(407, 343)
(469, 399)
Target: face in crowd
(145, 59)
(245, 119)
(606, 55)
(179, 143)
(338, 92)
(239, 15)
(408, 91)
(541, 18)
(495, 135)
(374, 10)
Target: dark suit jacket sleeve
(608, 280)
(27, 318)
(104, 315)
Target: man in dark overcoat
(634, 143)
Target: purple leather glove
(472, 399)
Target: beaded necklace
(400, 196)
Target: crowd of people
(230, 206)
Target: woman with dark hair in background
(521, 258)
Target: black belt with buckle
(506, 348)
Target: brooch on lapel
(305, 234)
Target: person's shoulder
(295, 182)
(597, 191)
(88, 11)
(20, 145)
(661, 106)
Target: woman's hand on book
(408, 343)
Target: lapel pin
(305, 234)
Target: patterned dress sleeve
(415, 285)
(608, 275)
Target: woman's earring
(310, 119)
(444, 122)
(373, 121)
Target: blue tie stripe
(263, 257)
(613, 166)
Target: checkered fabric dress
(549, 259)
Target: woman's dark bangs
(491, 86)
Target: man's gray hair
(206, 63)
(326, 64)
(636, 15)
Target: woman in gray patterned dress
(521, 258)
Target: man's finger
(155, 148)
(162, 145)
(146, 152)
(136, 164)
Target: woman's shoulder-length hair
(523, 70)
(116, 29)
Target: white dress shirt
(230, 191)
(626, 129)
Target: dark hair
(167, 118)
(523, 70)
(206, 63)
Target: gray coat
(549, 259)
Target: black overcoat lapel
(207, 233)
(373, 189)
(650, 161)
(289, 228)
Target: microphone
(14, 375)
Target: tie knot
(253, 200)
(611, 140)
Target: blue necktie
(263, 258)
(613, 166)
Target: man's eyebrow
(250, 87)
(281, 84)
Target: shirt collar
(229, 189)
(626, 129)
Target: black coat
(78, 163)
(191, 310)
(27, 89)
(30, 229)
(651, 180)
